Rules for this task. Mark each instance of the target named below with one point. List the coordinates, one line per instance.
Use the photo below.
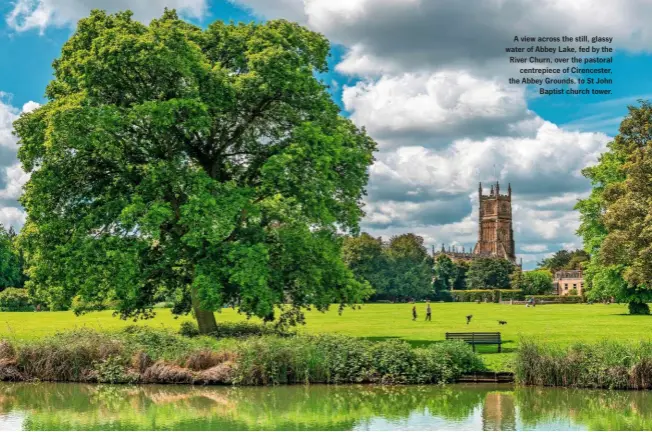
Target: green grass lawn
(561, 324)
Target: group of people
(428, 312)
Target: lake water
(57, 406)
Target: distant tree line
(401, 269)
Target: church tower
(495, 234)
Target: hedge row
(492, 295)
(558, 298)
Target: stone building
(495, 233)
(566, 281)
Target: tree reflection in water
(57, 406)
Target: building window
(574, 286)
(566, 287)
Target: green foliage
(558, 298)
(338, 359)
(607, 364)
(532, 282)
(410, 266)
(80, 305)
(366, 257)
(15, 300)
(615, 218)
(494, 296)
(462, 268)
(112, 370)
(257, 360)
(445, 273)
(397, 271)
(638, 308)
(565, 260)
(489, 273)
(188, 329)
(206, 165)
(11, 272)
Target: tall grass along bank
(607, 364)
(142, 355)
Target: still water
(57, 406)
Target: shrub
(558, 298)
(607, 364)
(188, 329)
(67, 357)
(155, 356)
(245, 329)
(638, 308)
(444, 295)
(493, 295)
(339, 359)
(15, 300)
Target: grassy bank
(559, 324)
(606, 364)
(142, 355)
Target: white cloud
(15, 179)
(288, 9)
(30, 106)
(12, 177)
(41, 14)
(392, 36)
(436, 106)
(12, 216)
(535, 248)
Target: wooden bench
(477, 339)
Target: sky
(428, 80)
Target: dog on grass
(502, 322)
(468, 318)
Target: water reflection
(52, 406)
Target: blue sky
(428, 79)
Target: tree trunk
(205, 318)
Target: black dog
(502, 322)
(468, 318)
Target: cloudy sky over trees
(427, 78)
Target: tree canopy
(534, 282)
(211, 164)
(565, 260)
(411, 267)
(487, 273)
(616, 222)
(11, 272)
(397, 270)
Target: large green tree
(487, 273)
(445, 273)
(616, 220)
(532, 282)
(410, 268)
(210, 163)
(365, 256)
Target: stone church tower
(495, 234)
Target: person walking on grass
(414, 313)
(428, 312)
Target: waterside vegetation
(145, 355)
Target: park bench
(477, 339)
